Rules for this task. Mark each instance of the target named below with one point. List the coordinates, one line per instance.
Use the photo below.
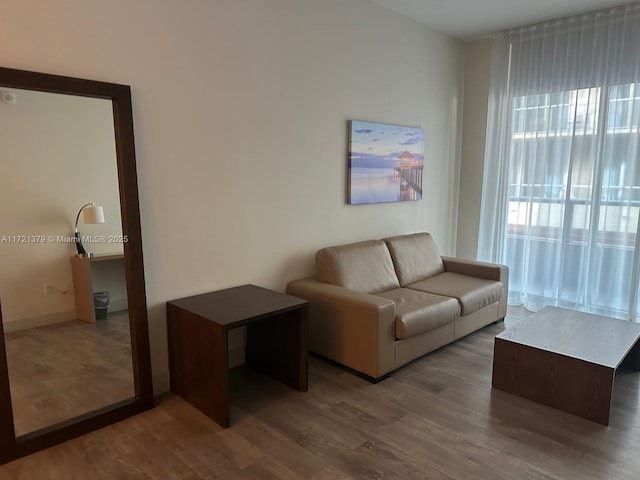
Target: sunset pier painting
(385, 163)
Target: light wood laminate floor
(437, 418)
(63, 370)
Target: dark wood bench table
(565, 359)
(198, 326)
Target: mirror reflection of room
(64, 315)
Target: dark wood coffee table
(198, 326)
(565, 359)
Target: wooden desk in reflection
(86, 277)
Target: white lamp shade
(93, 214)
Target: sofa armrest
(352, 328)
(488, 271)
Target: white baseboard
(39, 321)
(236, 356)
(237, 343)
(57, 317)
(161, 383)
(118, 305)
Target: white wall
(477, 68)
(240, 111)
(58, 153)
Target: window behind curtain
(561, 196)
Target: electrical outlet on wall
(48, 289)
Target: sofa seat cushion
(363, 266)
(415, 257)
(473, 293)
(419, 312)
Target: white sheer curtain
(561, 193)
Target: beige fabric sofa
(379, 304)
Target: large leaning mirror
(75, 350)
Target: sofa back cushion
(415, 257)
(362, 266)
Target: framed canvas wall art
(385, 163)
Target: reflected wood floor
(437, 418)
(60, 371)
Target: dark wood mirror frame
(120, 95)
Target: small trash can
(101, 303)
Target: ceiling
(469, 19)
